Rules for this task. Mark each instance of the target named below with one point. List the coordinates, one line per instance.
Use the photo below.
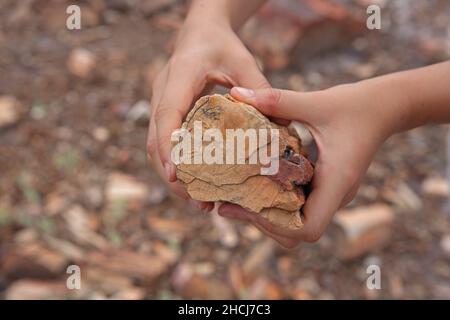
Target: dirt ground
(76, 189)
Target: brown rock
(124, 187)
(81, 62)
(191, 285)
(78, 224)
(436, 186)
(276, 197)
(10, 110)
(364, 229)
(32, 260)
(28, 289)
(287, 30)
(136, 265)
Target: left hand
(348, 123)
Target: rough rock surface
(277, 197)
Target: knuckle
(263, 84)
(273, 97)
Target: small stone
(258, 259)
(10, 110)
(363, 71)
(373, 260)
(79, 226)
(139, 112)
(364, 229)
(125, 187)
(296, 82)
(94, 195)
(227, 231)
(36, 290)
(26, 236)
(81, 62)
(133, 293)
(38, 111)
(445, 243)
(54, 203)
(101, 134)
(157, 195)
(436, 186)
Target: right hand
(348, 123)
(206, 54)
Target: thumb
(277, 103)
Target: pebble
(10, 110)
(81, 62)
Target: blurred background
(75, 186)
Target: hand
(348, 123)
(206, 54)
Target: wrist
(391, 101)
(206, 14)
(201, 27)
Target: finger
(176, 186)
(277, 103)
(288, 243)
(329, 188)
(349, 196)
(180, 89)
(152, 150)
(253, 78)
(236, 212)
(250, 76)
(157, 88)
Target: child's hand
(349, 123)
(205, 55)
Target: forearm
(429, 94)
(412, 98)
(232, 13)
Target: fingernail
(168, 168)
(248, 93)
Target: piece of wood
(277, 197)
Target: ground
(76, 188)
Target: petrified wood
(277, 197)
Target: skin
(349, 122)
(207, 52)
